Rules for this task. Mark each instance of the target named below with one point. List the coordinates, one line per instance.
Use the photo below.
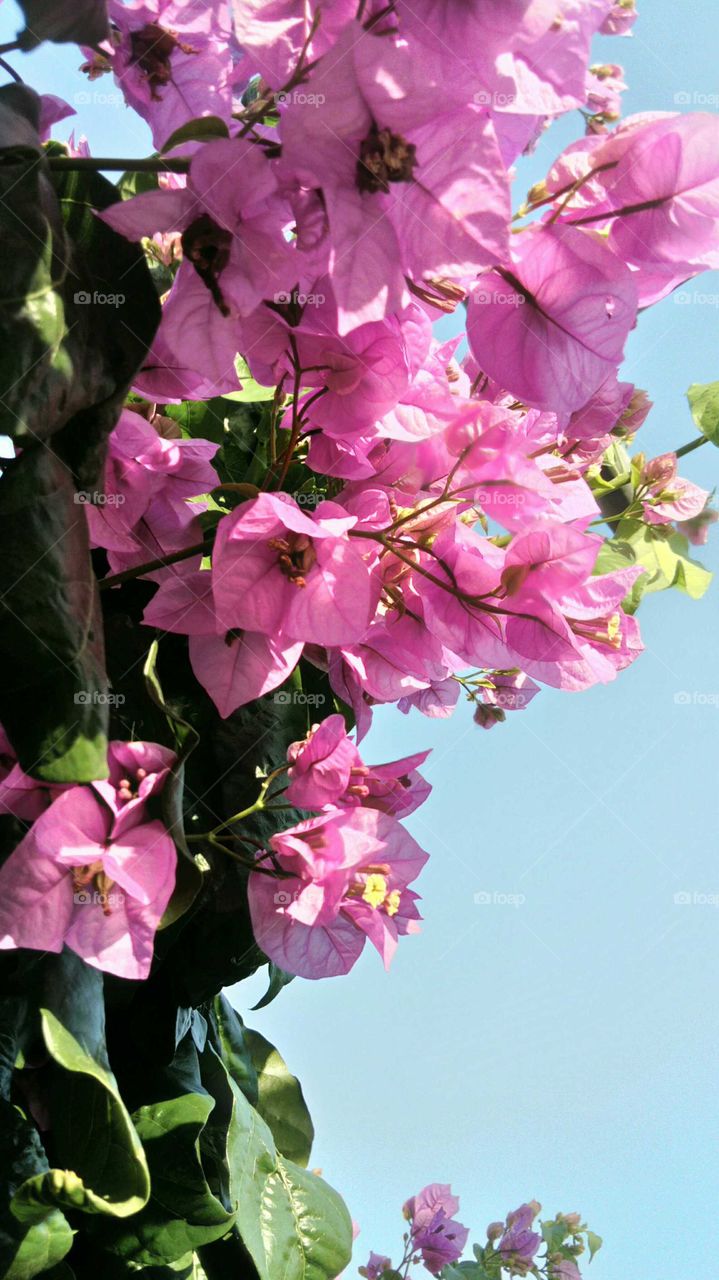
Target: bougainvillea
(254, 495)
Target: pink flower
(327, 769)
(376, 1264)
(551, 327)
(657, 189)
(521, 55)
(697, 528)
(233, 666)
(52, 111)
(172, 60)
(322, 766)
(604, 89)
(398, 787)
(274, 32)
(620, 19)
(234, 255)
(434, 1231)
(137, 770)
(509, 691)
(666, 496)
(564, 1269)
(79, 879)
(280, 570)
(407, 193)
(146, 484)
(347, 878)
(519, 1244)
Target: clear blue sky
(564, 1049)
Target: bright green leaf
(182, 1212)
(280, 1101)
(704, 404)
(201, 129)
(103, 1166)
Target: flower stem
(693, 444)
(116, 579)
(148, 164)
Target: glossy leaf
(202, 129)
(182, 1212)
(103, 1167)
(704, 404)
(53, 692)
(293, 1224)
(281, 1101)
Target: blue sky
(563, 1048)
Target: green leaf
(119, 320)
(293, 1224)
(468, 1271)
(662, 552)
(82, 22)
(281, 1101)
(554, 1234)
(182, 1212)
(53, 690)
(104, 1169)
(278, 980)
(37, 1240)
(78, 309)
(189, 877)
(252, 391)
(704, 404)
(594, 1243)
(233, 1048)
(201, 129)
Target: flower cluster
(436, 1240)
(94, 872)
(344, 875)
(444, 533)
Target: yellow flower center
(375, 890)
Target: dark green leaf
(202, 129)
(280, 1101)
(53, 693)
(182, 1212)
(233, 1047)
(40, 1238)
(189, 877)
(278, 979)
(103, 1167)
(82, 22)
(293, 1224)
